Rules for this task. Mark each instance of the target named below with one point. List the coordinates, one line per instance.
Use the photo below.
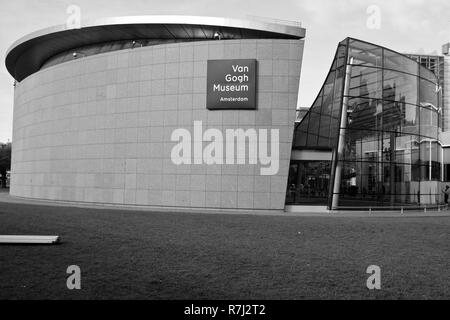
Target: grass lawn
(139, 255)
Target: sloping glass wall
(378, 114)
(320, 126)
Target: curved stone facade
(98, 129)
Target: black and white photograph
(224, 156)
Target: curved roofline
(170, 19)
(386, 48)
(116, 25)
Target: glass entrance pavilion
(371, 138)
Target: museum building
(96, 110)
(197, 112)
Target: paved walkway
(5, 197)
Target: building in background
(440, 65)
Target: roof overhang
(27, 55)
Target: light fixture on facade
(136, 42)
(77, 53)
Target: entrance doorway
(309, 183)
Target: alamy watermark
(374, 281)
(374, 19)
(74, 280)
(229, 148)
(74, 19)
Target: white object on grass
(29, 239)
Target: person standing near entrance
(446, 194)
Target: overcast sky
(404, 25)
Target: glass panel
(362, 145)
(428, 74)
(369, 184)
(364, 113)
(324, 131)
(313, 130)
(410, 119)
(393, 115)
(396, 61)
(320, 127)
(428, 94)
(301, 132)
(428, 123)
(340, 57)
(366, 82)
(400, 87)
(365, 54)
(406, 149)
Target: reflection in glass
(400, 87)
